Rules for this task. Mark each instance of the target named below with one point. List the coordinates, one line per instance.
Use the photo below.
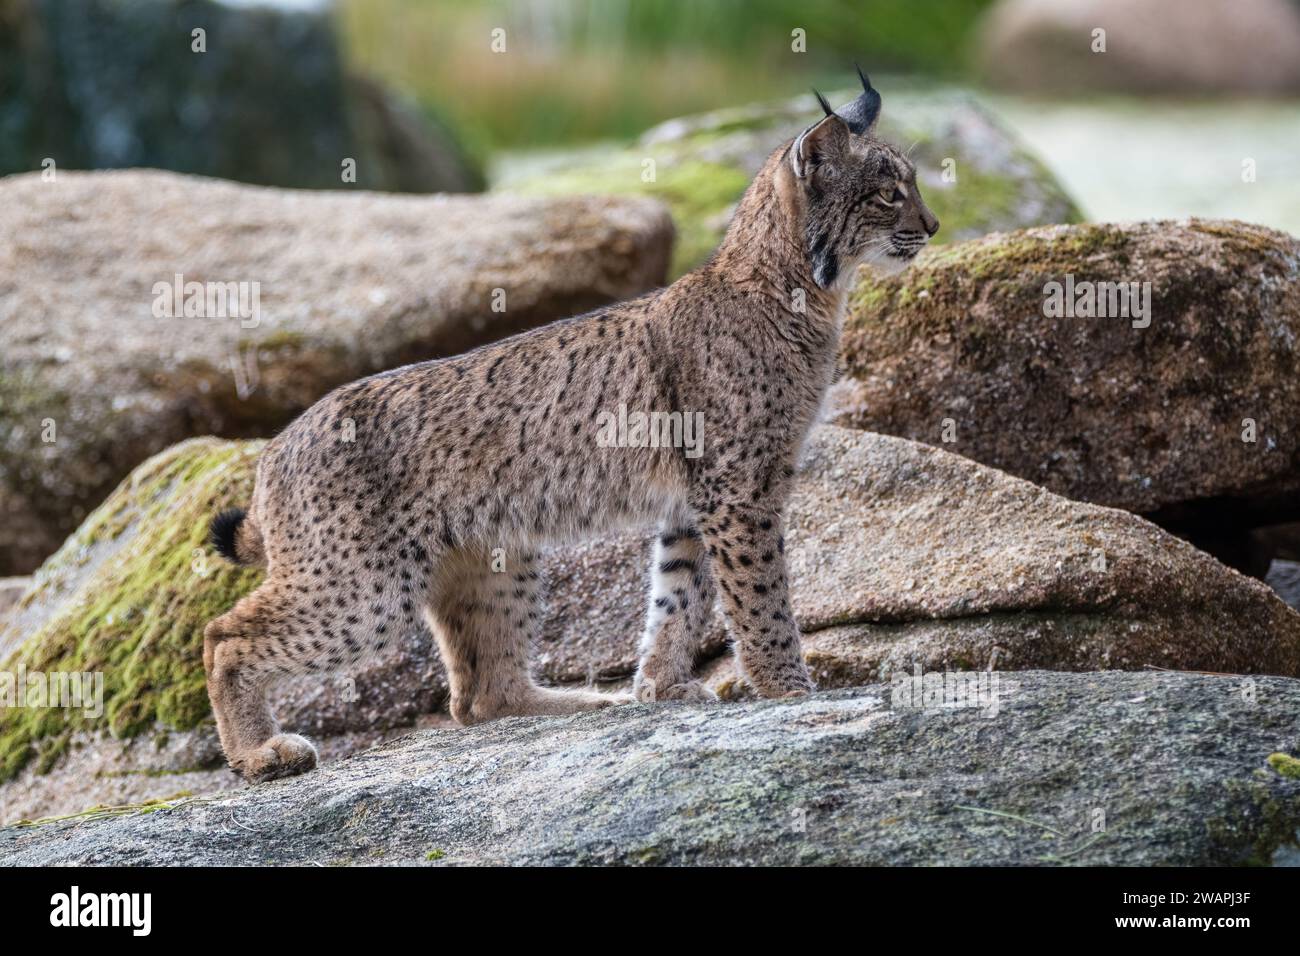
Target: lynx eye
(890, 195)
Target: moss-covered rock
(100, 369)
(128, 596)
(973, 173)
(1190, 414)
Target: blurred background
(460, 94)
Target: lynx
(457, 462)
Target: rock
(1157, 46)
(270, 74)
(702, 164)
(11, 589)
(93, 381)
(1284, 578)
(1175, 767)
(901, 555)
(1150, 419)
(128, 596)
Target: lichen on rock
(853, 777)
(128, 596)
(1195, 402)
(973, 173)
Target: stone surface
(702, 164)
(269, 74)
(1284, 578)
(11, 589)
(128, 596)
(1147, 419)
(1179, 765)
(93, 381)
(901, 555)
(1156, 46)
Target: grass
(577, 70)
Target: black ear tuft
(866, 80)
(825, 105)
(862, 113)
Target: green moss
(279, 339)
(1244, 239)
(1258, 823)
(434, 855)
(1285, 764)
(25, 402)
(982, 199)
(868, 296)
(937, 292)
(701, 193)
(144, 585)
(698, 193)
(1024, 253)
(648, 856)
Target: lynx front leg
(678, 612)
(747, 551)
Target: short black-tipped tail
(234, 537)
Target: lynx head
(859, 195)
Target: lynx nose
(930, 221)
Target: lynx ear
(820, 144)
(861, 115)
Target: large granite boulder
(1155, 46)
(902, 556)
(975, 175)
(99, 84)
(1060, 769)
(107, 357)
(1011, 351)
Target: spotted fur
(426, 491)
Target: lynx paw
(800, 687)
(649, 692)
(284, 755)
(796, 692)
(690, 691)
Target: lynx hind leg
(485, 621)
(295, 624)
(678, 611)
(242, 651)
